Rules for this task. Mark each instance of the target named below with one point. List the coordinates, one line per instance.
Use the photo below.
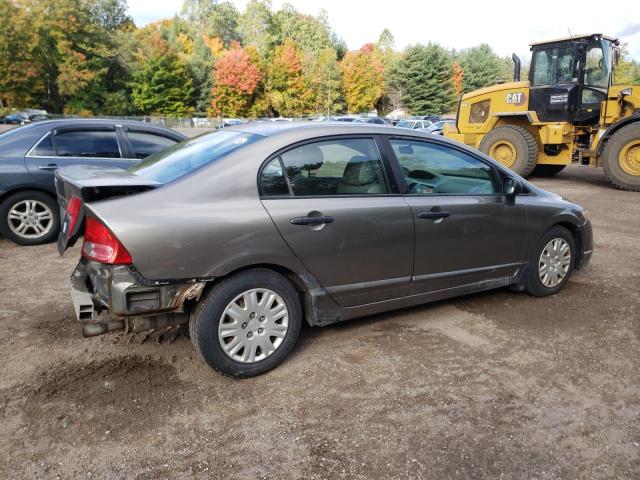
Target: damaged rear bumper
(132, 302)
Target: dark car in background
(26, 116)
(250, 231)
(375, 121)
(30, 154)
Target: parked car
(374, 121)
(431, 118)
(248, 232)
(26, 116)
(413, 124)
(30, 154)
(438, 127)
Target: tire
(547, 170)
(534, 284)
(18, 203)
(511, 138)
(621, 158)
(210, 313)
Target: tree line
(88, 57)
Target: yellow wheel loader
(569, 111)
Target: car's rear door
(89, 145)
(339, 211)
(466, 231)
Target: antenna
(570, 35)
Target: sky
(507, 26)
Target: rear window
(188, 156)
(87, 143)
(145, 143)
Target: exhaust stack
(516, 67)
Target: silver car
(248, 232)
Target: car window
(145, 143)
(272, 181)
(87, 143)
(336, 167)
(432, 169)
(192, 154)
(44, 148)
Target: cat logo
(519, 98)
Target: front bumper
(121, 292)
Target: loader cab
(570, 77)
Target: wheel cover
(629, 158)
(504, 151)
(253, 325)
(554, 262)
(30, 219)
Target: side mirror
(511, 187)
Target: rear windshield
(187, 156)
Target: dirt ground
(495, 385)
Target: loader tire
(514, 147)
(621, 158)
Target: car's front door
(75, 146)
(466, 231)
(333, 203)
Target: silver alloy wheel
(554, 262)
(253, 325)
(30, 219)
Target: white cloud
(506, 26)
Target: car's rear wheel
(29, 218)
(551, 262)
(248, 323)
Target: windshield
(187, 156)
(405, 123)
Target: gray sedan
(248, 232)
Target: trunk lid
(90, 184)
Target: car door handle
(433, 215)
(51, 166)
(310, 220)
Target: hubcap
(504, 152)
(253, 325)
(554, 263)
(30, 219)
(630, 158)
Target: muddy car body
(327, 222)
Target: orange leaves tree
(236, 78)
(362, 78)
(288, 91)
(458, 78)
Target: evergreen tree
(482, 67)
(425, 73)
(161, 83)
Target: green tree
(161, 83)
(324, 80)
(426, 76)
(255, 27)
(482, 67)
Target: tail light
(102, 246)
(73, 210)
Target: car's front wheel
(29, 218)
(248, 323)
(551, 262)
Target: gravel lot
(495, 385)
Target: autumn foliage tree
(288, 90)
(236, 78)
(362, 78)
(458, 78)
